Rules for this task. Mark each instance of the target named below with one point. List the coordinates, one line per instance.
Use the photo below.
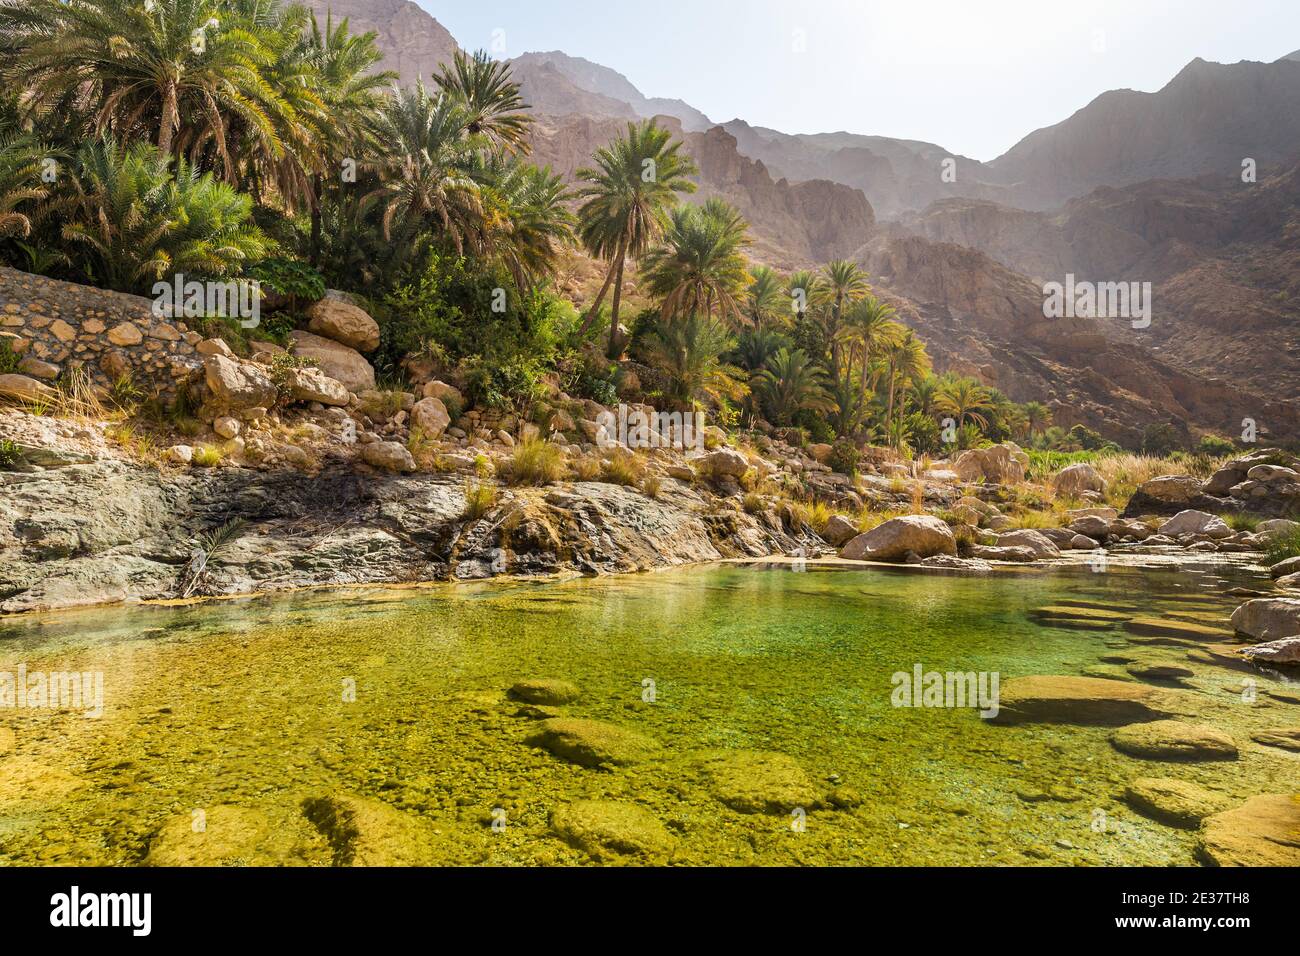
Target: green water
(242, 703)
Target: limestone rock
(237, 385)
(1003, 464)
(1080, 700)
(388, 455)
(1285, 651)
(922, 535)
(839, 530)
(1031, 539)
(25, 389)
(343, 322)
(1198, 523)
(546, 692)
(726, 463)
(606, 829)
(312, 385)
(222, 836)
(1073, 481)
(1264, 831)
(759, 782)
(340, 362)
(1178, 803)
(430, 416)
(593, 743)
(1268, 619)
(125, 334)
(1174, 740)
(364, 832)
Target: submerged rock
(1177, 803)
(755, 781)
(1264, 831)
(364, 832)
(1285, 738)
(593, 743)
(222, 836)
(606, 829)
(1174, 740)
(545, 692)
(1081, 700)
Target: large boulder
(922, 535)
(430, 416)
(388, 455)
(839, 531)
(25, 389)
(1073, 481)
(1167, 494)
(1178, 803)
(310, 384)
(1004, 464)
(726, 463)
(340, 362)
(607, 830)
(593, 743)
(1174, 740)
(1263, 831)
(1285, 651)
(237, 385)
(337, 319)
(1035, 541)
(1268, 619)
(1198, 523)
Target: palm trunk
(169, 120)
(315, 219)
(600, 299)
(614, 345)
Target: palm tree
(532, 224)
(907, 361)
(965, 398)
(427, 168)
(1038, 417)
(137, 220)
(351, 92)
(792, 383)
(757, 345)
(869, 326)
(763, 298)
(492, 103)
(628, 192)
(699, 267)
(161, 68)
(846, 284)
(21, 163)
(689, 353)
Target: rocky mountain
(1223, 257)
(1209, 118)
(413, 43)
(607, 83)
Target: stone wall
(53, 326)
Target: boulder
(1174, 740)
(1284, 651)
(1197, 523)
(1268, 619)
(1277, 528)
(25, 389)
(1223, 481)
(227, 427)
(180, 454)
(1031, 539)
(547, 692)
(1168, 495)
(1003, 464)
(593, 743)
(388, 455)
(821, 452)
(214, 347)
(442, 391)
(38, 369)
(1080, 700)
(839, 531)
(607, 829)
(755, 781)
(1092, 526)
(1073, 481)
(726, 463)
(229, 836)
(237, 385)
(1284, 738)
(364, 832)
(312, 385)
(1013, 555)
(922, 535)
(343, 322)
(1285, 568)
(430, 416)
(1264, 831)
(1272, 473)
(1177, 803)
(340, 362)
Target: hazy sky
(972, 75)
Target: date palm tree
(966, 399)
(529, 221)
(627, 194)
(846, 283)
(1038, 417)
(689, 352)
(907, 361)
(764, 299)
(493, 106)
(791, 383)
(867, 327)
(699, 269)
(22, 160)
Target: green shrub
(480, 498)
(10, 454)
(1280, 547)
(8, 357)
(1215, 446)
(296, 282)
(626, 470)
(845, 457)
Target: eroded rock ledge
(110, 530)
